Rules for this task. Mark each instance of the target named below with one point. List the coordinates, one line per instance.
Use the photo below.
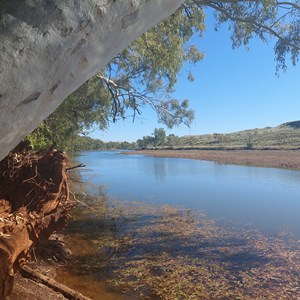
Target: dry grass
(284, 137)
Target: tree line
(157, 139)
(81, 143)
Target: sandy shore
(286, 159)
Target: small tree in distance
(159, 137)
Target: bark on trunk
(50, 48)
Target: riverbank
(284, 159)
(38, 277)
(28, 289)
(34, 206)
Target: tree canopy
(158, 139)
(146, 72)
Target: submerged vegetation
(163, 252)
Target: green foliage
(249, 145)
(146, 72)
(145, 142)
(87, 107)
(265, 19)
(85, 143)
(171, 140)
(159, 137)
(80, 143)
(41, 138)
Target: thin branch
(248, 21)
(287, 3)
(108, 81)
(282, 17)
(75, 167)
(294, 5)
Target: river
(236, 197)
(266, 198)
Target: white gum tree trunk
(48, 48)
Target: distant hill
(294, 124)
(284, 136)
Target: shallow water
(86, 235)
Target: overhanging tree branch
(218, 6)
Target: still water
(266, 198)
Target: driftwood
(64, 290)
(34, 203)
(75, 167)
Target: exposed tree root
(34, 203)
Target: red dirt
(285, 159)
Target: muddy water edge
(91, 228)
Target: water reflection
(266, 198)
(159, 168)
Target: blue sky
(233, 90)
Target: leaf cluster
(86, 107)
(266, 19)
(146, 72)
